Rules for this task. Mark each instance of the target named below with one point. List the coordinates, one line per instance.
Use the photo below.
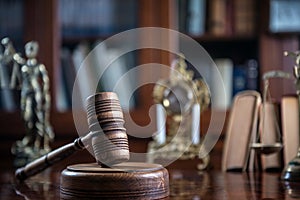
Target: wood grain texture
(105, 119)
(125, 181)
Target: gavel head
(105, 120)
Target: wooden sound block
(129, 180)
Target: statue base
(292, 170)
(129, 180)
(23, 157)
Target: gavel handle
(49, 159)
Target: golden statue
(183, 97)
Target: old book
(241, 131)
(225, 67)
(217, 19)
(182, 9)
(290, 127)
(113, 72)
(196, 12)
(65, 80)
(102, 18)
(244, 17)
(84, 82)
(239, 79)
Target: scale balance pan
(129, 180)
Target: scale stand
(269, 120)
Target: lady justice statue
(35, 106)
(291, 172)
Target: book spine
(220, 19)
(244, 18)
(245, 76)
(196, 17)
(252, 74)
(225, 67)
(103, 17)
(182, 15)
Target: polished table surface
(185, 181)
(184, 184)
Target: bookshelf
(41, 23)
(244, 34)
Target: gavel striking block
(112, 177)
(128, 180)
(107, 135)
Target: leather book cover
(241, 131)
(290, 127)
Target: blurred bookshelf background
(237, 34)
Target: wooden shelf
(41, 23)
(12, 125)
(224, 38)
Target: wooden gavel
(107, 135)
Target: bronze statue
(10, 57)
(291, 172)
(35, 106)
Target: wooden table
(184, 184)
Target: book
(196, 17)
(241, 131)
(284, 16)
(219, 17)
(290, 127)
(96, 17)
(61, 98)
(225, 68)
(84, 82)
(65, 81)
(9, 98)
(245, 76)
(114, 74)
(252, 74)
(244, 17)
(95, 67)
(182, 7)
(239, 79)
(11, 20)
